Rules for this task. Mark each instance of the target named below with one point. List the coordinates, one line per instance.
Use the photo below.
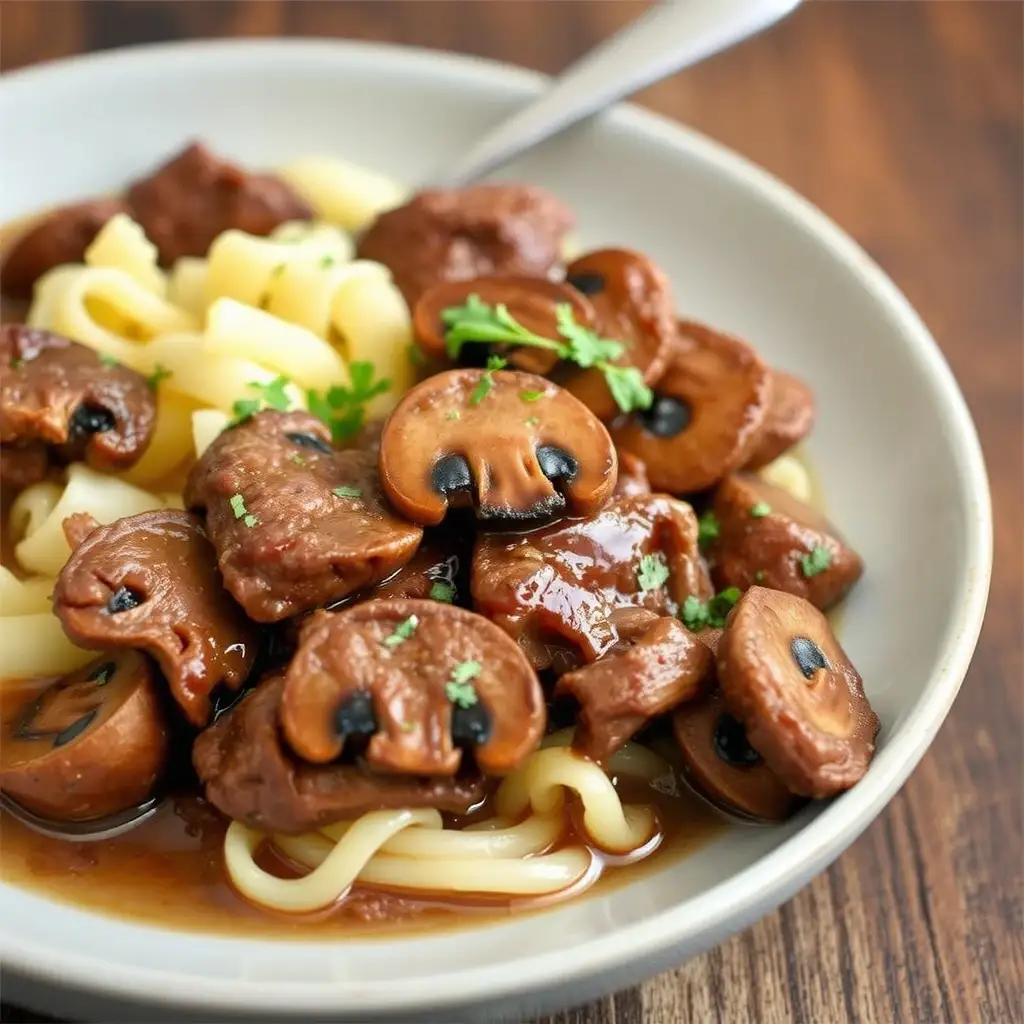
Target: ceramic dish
(895, 451)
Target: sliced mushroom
(787, 680)
(296, 524)
(61, 236)
(662, 667)
(185, 204)
(532, 301)
(249, 776)
(789, 420)
(150, 582)
(633, 303)
(64, 395)
(91, 744)
(707, 416)
(721, 764)
(458, 234)
(632, 478)
(768, 537)
(559, 591)
(418, 678)
(469, 437)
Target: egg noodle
(209, 332)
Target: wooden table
(903, 121)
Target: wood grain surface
(903, 121)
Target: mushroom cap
(391, 669)
(61, 393)
(444, 443)
(296, 523)
(723, 767)
(250, 776)
(60, 236)
(777, 549)
(664, 666)
(708, 413)
(786, 679)
(566, 592)
(532, 301)
(633, 304)
(93, 743)
(789, 420)
(150, 582)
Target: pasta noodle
(31, 508)
(633, 760)
(23, 597)
(788, 473)
(373, 321)
(206, 425)
(341, 192)
(186, 285)
(34, 645)
(123, 245)
(44, 548)
(233, 329)
(171, 443)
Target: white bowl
(895, 449)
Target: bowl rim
(779, 872)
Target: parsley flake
(441, 591)
(327, 261)
(466, 671)
(237, 503)
(108, 362)
(16, 363)
(816, 562)
(341, 408)
(461, 694)
(759, 576)
(250, 521)
(347, 492)
(697, 614)
(101, 676)
(453, 414)
(531, 396)
(707, 528)
(486, 382)
(760, 509)
(653, 572)
(415, 354)
(533, 421)
(272, 395)
(160, 373)
(403, 631)
(479, 322)
(297, 459)
(408, 727)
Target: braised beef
(469, 437)
(249, 776)
(658, 669)
(458, 234)
(559, 591)
(61, 236)
(91, 744)
(186, 203)
(150, 582)
(296, 525)
(62, 394)
(22, 465)
(789, 420)
(421, 679)
(767, 536)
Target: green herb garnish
(466, 671)
(533, 421)
(237, 503)
(759, 576)
(486, 382)
(697, 614)
(403, 631)
(459, 689)
(297, 459)
(272, 395)
(453, 414)
(347, 492)
(101, 676)
(415, 354)
(531, 396)
(160, 373)
(480, 322)
(707, 528)
(408, 727)
(441, 591)
(653, 572)
(760, 509)
(327, 261)
(343, 409)
(108, 362)
(817, 561)
(16, 363)
(250, 521)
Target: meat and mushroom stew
(443, 572)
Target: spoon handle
(671, 35)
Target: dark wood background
(902, 119)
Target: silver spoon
(81, 831)
(672, 35)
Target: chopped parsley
(160, 373)
(759, 576)
(408, 727)
(16, 363)
(272, 395)
(760, 509)
(403, 631)
(415, 354)
(441, 591)
(459, 689)
(327, 261)
(697, 614)
(453, 414)
(707, 528)
(653, 572)
(108, 362)
(237, 503)
(297, 459)
(343, 409)
(486, 382)
(347, 492)
(250, 521)
(101, 676)
(817, 561)
(531, 396)
(533, 421)
(480, 322)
